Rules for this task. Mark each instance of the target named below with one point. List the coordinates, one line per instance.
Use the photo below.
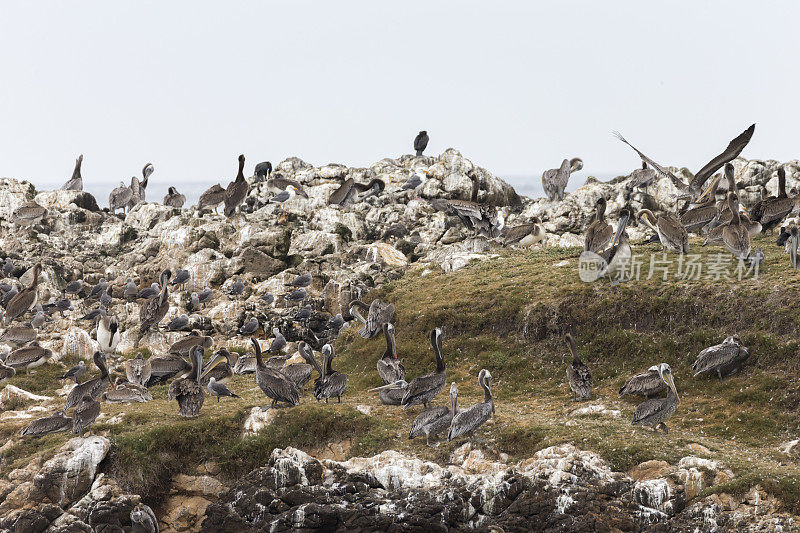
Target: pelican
(771, 210)
(164, 367)
(211, 198)
(469, 419)
(434, 420)
(333, 383)
(75, 372)
(654, 412)
(578, 374)
(349, 192)
(93, 387)
(642, 177)
(619, 255)
(29, 357)
(119, 198)
(485, 220)
(75, 183)
(26, 299)
(524, 235)
(245, 365)
(139, 370)
(187, 391)
(554, 181)
(714, 236)
(174, 198)
(6, 372)
(722, 359)
(299, 373)
(274, 384)
(599, 232)
(704, 212)
(724, 215)
(423, 389)
(392, 393)
(236, 192)
(734, 234)
(671, 233)
(184, 346)
(646, 384)
(218, 389)
(421, 142)
(28, 214)
(390, 369)
(126, 392)
(144, 519)
(108, 334)
(794, 240)
(695, 186)
(153, 311)
(138, 187)
(54, 423)
(18, 335)
(219, 368)
(378, 314)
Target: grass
(508, 315)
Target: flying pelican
(54, 423)
(735, 234)
(218, 368)
(211, 198)
(524, 235)
(139, 370)
(390, 369)
(469, 419)
(421, 142)
(237, 191)
(654, 412)
(187, 391)
(434, 420)
(554, 181)
(174, 198)
(108, 334)
(29, 357)
(26, 299)
(75, 183)
(695, 186)
(722, 359)
(771, 210)
(647, 384)
(333, 383)
(378, 314)
(424, 388)
(599, 233)
(578, 374)
(671, 233)
(273, 383)
(153, 311)
(93, 387)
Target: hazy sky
(516, 86)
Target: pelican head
(575, 164)
(147, 170)
(666, 375)
(219, 358)
(712, 187)
(390, 328)
(453, 391)
(327, 350)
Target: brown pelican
(143, 518)
(642, 177)
(524, 235)
(274, 384)
(421, 142)
(138, 187)
(599, 233)
(54, 423)
(219, 368)
(183, 347)
(735, 235)
(245, 365)
(704, 212)
(671, 233)
(236, 192)
(187, 391)
(694, 188)
(722, 359)
(434, 420)
(75, 372)
(578, 374)
(378, 314)
(119, 198)
(794, 240)
(85, 414)
(218, 389)
(390, 369)
(211, 198)
(28, 214)
(469, 419)
(654, 412)
(771, 210)
(174, 199)
(164, 367)
(26, 299)
(153, 311)
(93, 387)
(646, 384)
(6, 372)
(126, 392)
(349, 192)
(724, 215)
(423, 389)
(139, 370)
(392, 394)
(485, 220)
(75, 183)
(618, 256)
(333, 383)
(108, 333)
(554, 181)
(714, 236)
(18, 335)
(299, 373)
(29, 357)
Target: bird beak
(793, 251)
(623, 221)
(711, 185)
(671, 384)
(390, 386)
(214, 362)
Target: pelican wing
(469, 419)
(648, 408)
(661, 171)
(342, 193)
(733, 149)
(379, 314)
(427, 418)
(598, 236)
(737, 240)
(517, 233)
(423, 385)
(772, 209)
(714, 357)
(334, 385)
(647, 384)
(391, 370)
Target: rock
(650, 470)
(258, 420)
(78, 343)
(10, 391)
(68, 475)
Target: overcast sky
(516, 86)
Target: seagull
(94, 314)
(249, 327)
(302, 281)
(39, 318)
(278, 343)
(105, 297)
(131, 290)
(219, 389)
(335, 322)
(303, 314)
(284, 196)
(296, 296)
(267, 298)
(8, 267)
(236, 288)
(205, 295)
(75, 372)
(98, 289)
(178, 323)
(181, 277)
(74, 287)
(194, 302)
(150, 292)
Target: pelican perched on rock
(26, 299)
(174, 199)
(187, 391)
(578, 374)
(655, 412)
(119, 198)
(273, 383)
(154, 310)
(554, 181)
(486, 220)
(772, 210)
(211, 198)
(671, 233)
(421, 142)
(695, 187)
(333, 383)
(138, 188)
(237, 191)
(435, 420)
(219, 368)
(524, 235)
(54, 423)
(598, 234)
(422, 389)
(642, 177)
(378, 314)
(390, 369)
(29, 357)
(139, 370)
(704, 212)
(647, 384)
(469, 419)
(350, 192)
(93, 387)
(722, 359)
(108, 334)
(279, 183)
(75, 183)
(735, 234)
(28, 214)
